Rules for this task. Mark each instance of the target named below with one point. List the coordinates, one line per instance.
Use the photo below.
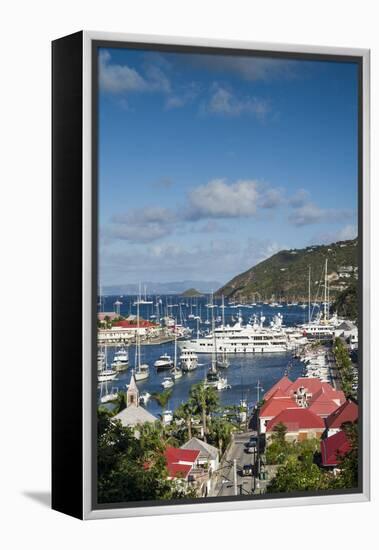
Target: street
(225, 485)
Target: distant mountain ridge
(176, 287)
(285, 274)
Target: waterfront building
(134, 414)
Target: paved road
(225, 482)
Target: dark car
(251, 446)
(247, 470)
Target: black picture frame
(73, 432)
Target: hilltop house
(134, 414)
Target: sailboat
(141, 371)
(213, 377)
(223, 362)
(177, 371)
(106, 374)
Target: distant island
(284, 276)
(150, 288)
(192, 293)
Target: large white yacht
(239, 338)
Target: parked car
(247, 470)
(250, 447)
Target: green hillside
(191, 293)
(285, 274)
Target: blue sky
(208, 164)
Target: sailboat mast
(326, 290)
(214, 359)
(138, 342)
(309, 294)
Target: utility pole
(258, 461)
(235, 477)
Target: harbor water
(244, 371)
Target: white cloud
(119, 79)
(223, 102)
(225, 259)
(309, 213)
(217, 199)
(345, 233)
(299, 198)
(247, 68)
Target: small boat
(142, 372)
(177, 373)
(167, 416)
(106, 374)
(215, 380)
(223, 363)
(144, 397)
(167, 383)
(188, 360)
(164, 362)
(108, 397)
(120, 360)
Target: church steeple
(132, 395)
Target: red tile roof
(297, 419)
(129, 324)
(276, 405)
(325, 401)
(347, 412)
(180, 461)
(283, 384)
(334, 448)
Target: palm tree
(162, 398)
(204, 400)
(185, 412)
(221, 431)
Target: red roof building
(180, 462)
(334, 448)
(283, 384)
(347, 412)
(274, 406)
(133, 324)
(301, 424)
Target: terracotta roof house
(180, 462)
(274, 406)
(283, 384)
(347, 412)
(334, 448)
(301, 424)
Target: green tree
(297, 475)
(162, 398)
(220, 433)
(204, 400)
(186, 412)
(130, 469)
